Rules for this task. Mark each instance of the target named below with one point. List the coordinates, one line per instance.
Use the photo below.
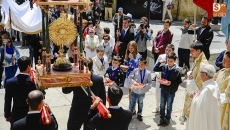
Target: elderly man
(223, 80)
(196, 50)
(205, 108)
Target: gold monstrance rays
(62, 31)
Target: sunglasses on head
(106, 39)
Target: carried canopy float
(62, 32)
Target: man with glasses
(111, 38)
(18, 88)
(194, 82)
(108, 47)
(205, 107)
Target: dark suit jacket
(161, 44)
(115, 75)
(33, 122)
(129, 36)
(98, 10)
(81, 102)
(173, 76)
(120, 120)
(17, 88)
(205, 38)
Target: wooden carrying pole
(195, 21)
(10, 27)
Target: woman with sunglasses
(10, 61)
(91, 42)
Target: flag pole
(10, 25)
(195, 22)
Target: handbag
(158, 40)
(170, 6)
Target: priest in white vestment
(205, 107)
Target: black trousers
(156, 55)
(184, 56)
(78, 116)
(76, 125)
(143, 54)
(102, 15)
(206, 53)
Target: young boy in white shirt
(100, 62)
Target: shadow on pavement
(169, 127)
(138, 125)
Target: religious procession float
(63, 32)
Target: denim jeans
(136, 98)
(166, 97)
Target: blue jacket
(219, 60)
(132, 63)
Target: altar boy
(141, 78)
(114, 72)
(100, 62)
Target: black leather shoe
(166, 122)
(140, 118)
(161, 122)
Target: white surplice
(205, 108)
(100, 68)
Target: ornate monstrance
(62, 32)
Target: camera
(142, 26)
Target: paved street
(60, 103)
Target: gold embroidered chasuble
(200, 61)
(223, 80)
